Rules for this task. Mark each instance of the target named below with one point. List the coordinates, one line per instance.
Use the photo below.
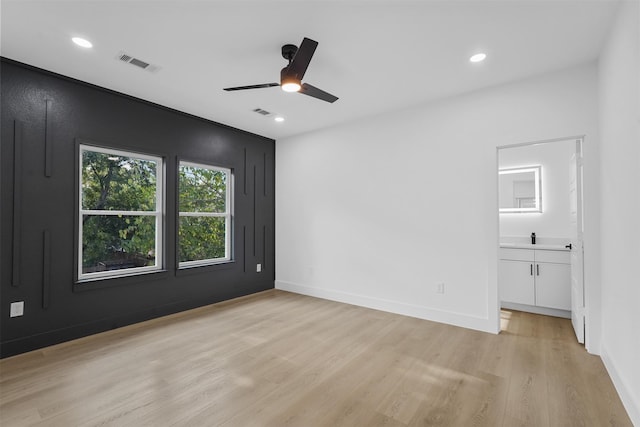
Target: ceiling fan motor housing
(289, 51)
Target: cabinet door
(515, 282)
(553, 285)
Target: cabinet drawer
(558, 257)
(517, 254)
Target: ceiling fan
(291, 75)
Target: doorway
(540, 229)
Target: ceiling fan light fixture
(291, 87)
(289, 82)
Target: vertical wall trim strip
(264, 173)
(17, 196)
(244, 169)
(264, 247)
(255, 209)
(48, 143)
(46, 268)
(244, 248)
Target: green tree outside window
(205, 214)
(121, 216)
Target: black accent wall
(43, 116)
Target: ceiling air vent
(137, 62)
(261, 111)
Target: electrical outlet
(17, 309)
(440, 288)
(258, 268)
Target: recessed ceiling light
(478, 57)
(82, 42)
(279, 119)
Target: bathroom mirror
(520, 189)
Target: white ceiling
(377, 56)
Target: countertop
(530, 246)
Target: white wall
(554, 221)
(376, 212)
(619, 94)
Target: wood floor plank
(281, 359)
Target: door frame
(579, 140)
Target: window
(204, 230)
(121, 211)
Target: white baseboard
(457, 319)
(631, 403)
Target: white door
(577, 272)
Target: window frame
(158, 213)
(228, 215)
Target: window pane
(112, 242)
(202, 190)
(202, 238)
(112, 182)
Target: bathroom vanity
(535, 278)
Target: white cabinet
(553, 285)
(534, 277)
(516, 285)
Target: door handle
(537, 269)
(569, 246)
(531, 269)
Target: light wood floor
(280, 359)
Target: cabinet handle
(531, 269)
(537, 269)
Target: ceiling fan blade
(313, 91)
(229, 89)
(302, 58)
